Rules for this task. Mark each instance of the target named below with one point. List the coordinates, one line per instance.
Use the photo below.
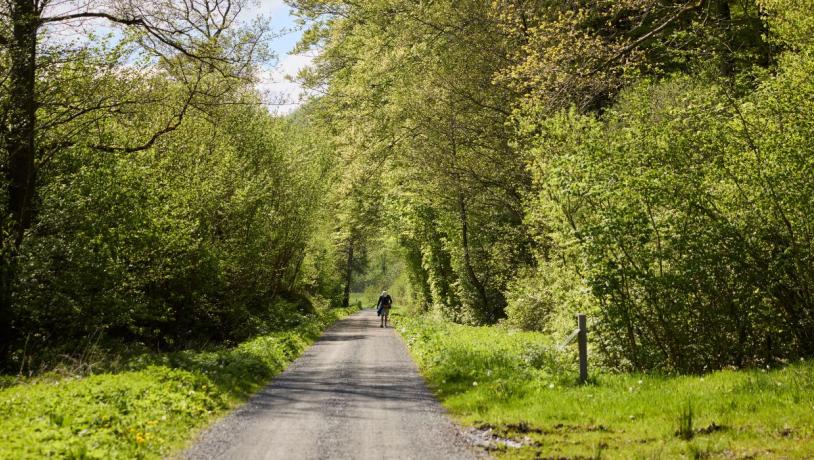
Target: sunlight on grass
(149, 410)
(518, 385)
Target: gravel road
(356, 394)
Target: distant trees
(412, 97)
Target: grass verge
(516, 390)
(149, 410)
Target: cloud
(267, 8)
(283, 95)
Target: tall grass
(518, 384)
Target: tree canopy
(647, 162)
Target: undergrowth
(521, 390)
(149, 408)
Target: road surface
(355, 394)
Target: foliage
(413, 109)
(150, 407)
(193, 240)
(496, 378)
(689, 224)
(547, 299)
(646, 162)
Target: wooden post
(582, 342)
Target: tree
(412, 94)
(61, 96)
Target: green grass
(149, 410)
(364, 299)
(519, 385)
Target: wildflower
(488, 372)
(640, 382)
(630, 389)
(702, 379)
(551, 385)
(474, 384)
(140, 438)
(632, 417)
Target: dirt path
(356, 394)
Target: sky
(284, 96)
(273, 80)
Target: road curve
(355, 394)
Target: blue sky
(283, 95)
(281, 18)
(274, 80)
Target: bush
(547, 299)
(147, 248)
(689, 223)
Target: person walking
(383, 307)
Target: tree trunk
(727, 66)
(20, 148)
(348, 274)
(470, 271)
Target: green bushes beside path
(151, 409)
(518, 385)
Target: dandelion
(140, 438)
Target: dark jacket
(385, 301)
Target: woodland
(647, 162)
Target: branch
(95, 15)
(156, 135)
(136, 21)
(646, 37)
